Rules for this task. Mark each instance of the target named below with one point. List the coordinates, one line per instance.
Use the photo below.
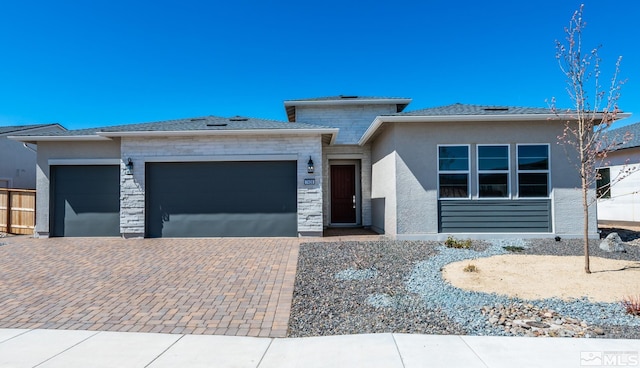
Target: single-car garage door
(218, 199)
(85, 200)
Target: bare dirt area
(543, 276)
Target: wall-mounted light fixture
(129, 166)
(310, 168)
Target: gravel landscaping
(396, 286)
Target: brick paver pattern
(230, 286)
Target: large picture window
(533, 170)
(493, 171)
(453, 171)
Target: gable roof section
(619, 133)
(206, 125)
(290, 105)
(23, 128)
(463, 112)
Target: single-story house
(619, 179)
(461, 170)
(18, 163)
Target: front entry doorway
(344, 200)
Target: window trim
(547, 171)
(467, 172)
(507, 171)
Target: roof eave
(56, 138)
(349, 101)
(290, 105)
(183, 133)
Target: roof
(21, 128)
(290, 105)
(465, 109)
(188, 126)
(619, 134)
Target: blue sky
(97, 63)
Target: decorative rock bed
(522, 319)
(397, 286)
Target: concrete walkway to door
(222, 286)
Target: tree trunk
(585, 208)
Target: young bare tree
(590, 117)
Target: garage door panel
(85, 201)
(204, 225)
(91, 224)
(199, 199)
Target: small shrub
(470, 268)
(452, 242)
(631, 305)
(513, 248)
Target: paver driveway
(229, 286)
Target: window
(603, 183)
(533, 170)
(493, 171)
(453, 171)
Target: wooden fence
(17, 211)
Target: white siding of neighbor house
(222, 148)
(407, 153)
(624, 205)
(352, 120)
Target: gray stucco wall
(75, 153)
(415, 146)
(383, 183)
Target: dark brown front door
(343, 194)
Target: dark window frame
(531, 173)
(603, 183)
(454, 171)
(485, 172)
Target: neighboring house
(619, 183)
(18, 163)
(466, 170)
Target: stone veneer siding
(220, 148)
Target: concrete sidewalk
(69, 348)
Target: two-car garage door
(183, 199)
(218, 199)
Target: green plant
(452, 242)
(470, 268)
(632, 305)
(513, 248)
